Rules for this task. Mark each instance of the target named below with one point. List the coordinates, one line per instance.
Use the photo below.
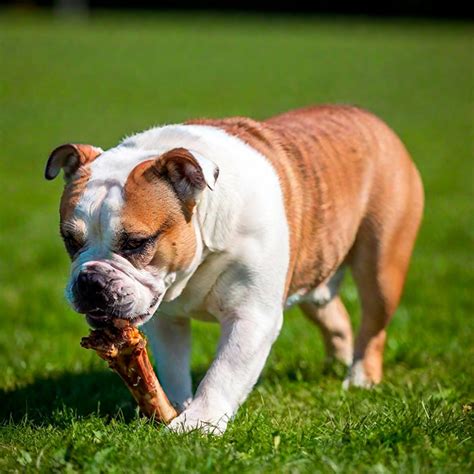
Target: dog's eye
(72, 244)
(132, 245)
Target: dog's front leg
(170, 340)
(243, 349)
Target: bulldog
(232, 220)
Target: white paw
(191, 420)
(357, 377)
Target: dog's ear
(188, 172)
(69, 158)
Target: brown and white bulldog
(233, 220)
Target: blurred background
(96, 71)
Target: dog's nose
(90, 289)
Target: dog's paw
(191, 420)
(357, 377)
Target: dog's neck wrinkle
(200, 216)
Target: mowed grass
(95, 81)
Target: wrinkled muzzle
(106, 289)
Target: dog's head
(126, 222)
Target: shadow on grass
(48, 400)
(58, 399)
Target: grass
(96, 80)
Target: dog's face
(129, 238)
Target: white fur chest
(196, 301)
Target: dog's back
(341, 168)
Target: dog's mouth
(99, 319)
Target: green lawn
(95, 81)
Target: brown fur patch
(74, 187)
(151, 205)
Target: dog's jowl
(231, 221)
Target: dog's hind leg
(324, 307)
(379, 283)
(379, 262)
(334, 323)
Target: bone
(124, 349)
